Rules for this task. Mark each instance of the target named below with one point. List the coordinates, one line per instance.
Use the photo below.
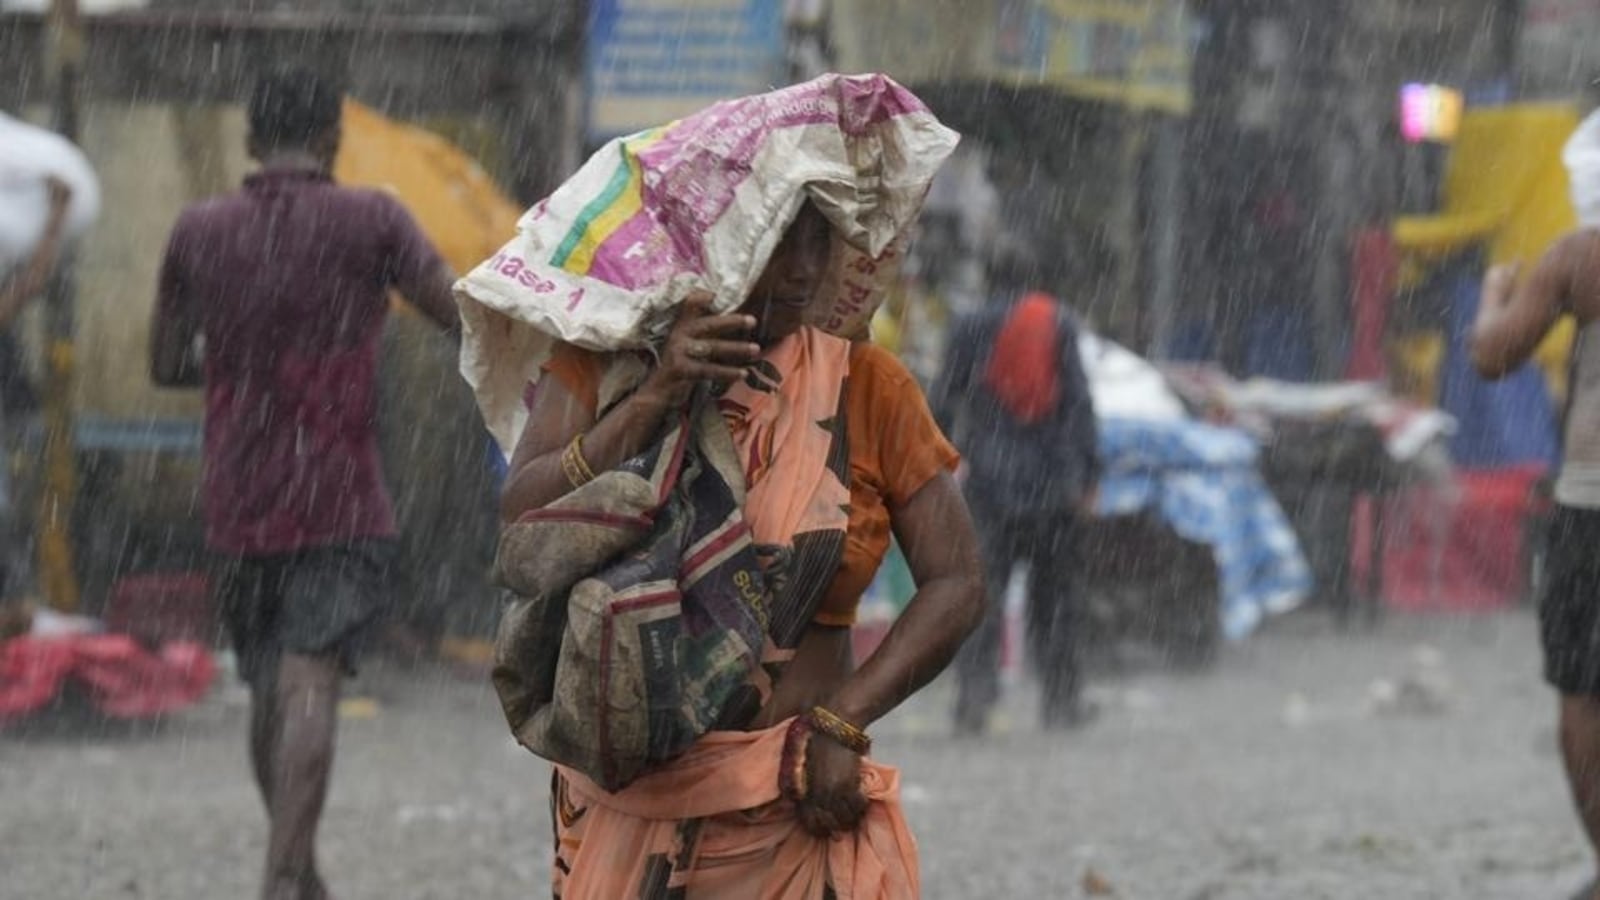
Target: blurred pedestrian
(28, 280)
(25, 282)
(273, 298)
(1014, 393)
(1515, 315)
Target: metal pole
(1121, 318)
(57, 575)
(1170, 213)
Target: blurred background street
(1284, 773)
(1308, 562)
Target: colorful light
(1430, 112)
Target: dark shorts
(314, 602)
(1569, 611)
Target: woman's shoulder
(874, 367)
(882, 396)
(894, 439)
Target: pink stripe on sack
(733, 535)
(645, 601)
(607, 634)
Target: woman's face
(792, 277)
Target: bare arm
(30, 281)
(1515, 314)
(432, 293)
(935, 531)
(536, 477)
(414, 268)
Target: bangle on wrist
(792, 767)
(574, 466)
(826, 722)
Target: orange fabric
(749, 846)
(781, 432)
(895, 449)
(1023, 371)
(579, 371)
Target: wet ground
(1415, 762)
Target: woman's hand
(700, 347)
(833, 802)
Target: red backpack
(1024, 364)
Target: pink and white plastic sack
(700, 204)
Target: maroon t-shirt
(287, 281)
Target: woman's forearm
(622, 433)
(919, 646)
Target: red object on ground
(32, 671)
(161, 607)
(1469, 558)
(122, 678)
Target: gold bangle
(825, 721)
(574, 466)
(577, 455)
(573, 471)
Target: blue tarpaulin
(1202, 481)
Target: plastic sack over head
(1582, 158)
(29, 156)
(700, 204)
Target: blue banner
(652, 61)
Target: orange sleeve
(578, 370)
(911, 449)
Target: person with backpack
(1014, 393)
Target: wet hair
(292, 108)
(1012, 266)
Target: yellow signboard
(1133, 52)
(1130, 52)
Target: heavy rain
(874, 449)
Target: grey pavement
(1418, 761)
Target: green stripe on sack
(614, 189)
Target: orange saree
(713, 824)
